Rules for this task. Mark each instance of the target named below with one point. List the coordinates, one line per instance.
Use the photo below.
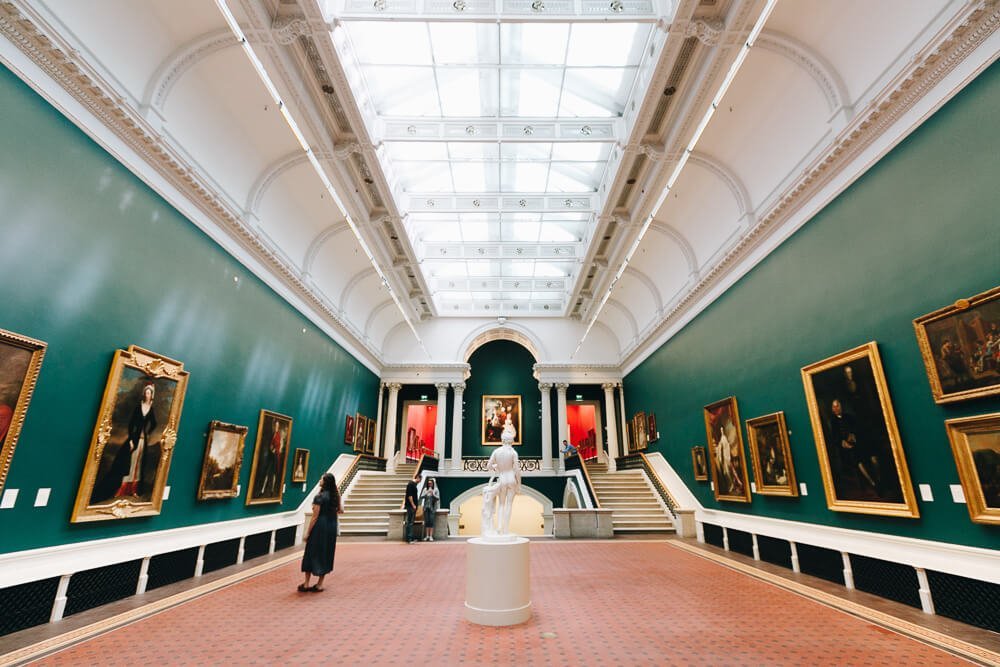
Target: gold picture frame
(270, 459)
(959, 345)
(860, 453)
(349, 430)
(496, 409)
(220, 470)
(134, 438)
(975, 443)
(773, 471)
(300, 466)
(641, 426)
(360, 428)
(699, 462)
(20, 363)
(370, 441)
(726, 454)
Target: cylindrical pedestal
(497, 588)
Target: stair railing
(348, 477)
(576, 462)
(639, 460)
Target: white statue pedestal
(497, 589)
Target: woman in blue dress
(321, 537)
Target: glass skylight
(497, 137)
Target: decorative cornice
(708, 32)
(924, 73)
(67, 68)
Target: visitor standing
(321, 537)
(430, 498)
(410, 505)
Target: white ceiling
(464, 183)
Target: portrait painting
(498, 411)
(300, 465)
(773, 471)
(725, 451)
(860, 454)
(360, 428)
(652, 434)
(700, 464)
(370, 440)
(641, 434)
(975, 442)
(349, 431)
(960, 345)
(270, 456)
(20, 362)
(134, 438)
(220, 472)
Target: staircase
(370, 497)
(637, 507)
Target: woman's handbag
(419, 516)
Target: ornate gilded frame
(703, 475)
(959, 431)
(153, 366)
(241, 433)
(482, 417)
(734, 415)
(908, 508)
(777, 419)
(349, 430)
(370, 441)
(298, 479)
(20, 408)
(921, 324)
(360, 427)
(641, 430)
(264, 500)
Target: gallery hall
(500, 332)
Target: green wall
(93, 261)
(916, 232)
(502, 367)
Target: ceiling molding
(681, 242)
(967, 31)
(628, 315)
(180, 61)
(319, 241)
(356, 279)
(730, 179)
(374, 313)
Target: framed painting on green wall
(360, 428)
(773, 471)
(20, 362)
(349, 430)
(497, 411)
(270, 458)
(960, 345)
(699, 463)
(370, 440)
(130, 450)
(860, 454)
(640, 426)
(725, 451)
(300, 465)
(220, 472)
(975, 442)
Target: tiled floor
(595, 603)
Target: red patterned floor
(390, 603)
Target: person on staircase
(430, 499)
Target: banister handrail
(664, 492)
(348, 477)
(590, 484)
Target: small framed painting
(300, 465)
(349, 430)
(772, 456)
(270, 458)
(20, 363)
(700, 464)
(725, 451)
(220, 471)
(975, 442)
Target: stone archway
(454, 510)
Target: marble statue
(498, 496)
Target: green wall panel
(497, 368)
(916, 232)
(93, 261)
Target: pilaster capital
(544, 387)
(441, 386)
(459, 387)
(561, 387)
(608, 386)
(393, 386)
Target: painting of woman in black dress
(134, 437)
(321, 536)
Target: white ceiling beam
(500, 11)
(508, 284)
(503, 250)
(495, 202)
(479, 129)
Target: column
(456, 427)
(390, 427)
(546, 388)
(621, 399)
(610, 410)
(442, 410)
(378, 422)
(561, 416)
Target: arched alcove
(501, 375)
(529, 506)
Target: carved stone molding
(287, 30)
(708, 32)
